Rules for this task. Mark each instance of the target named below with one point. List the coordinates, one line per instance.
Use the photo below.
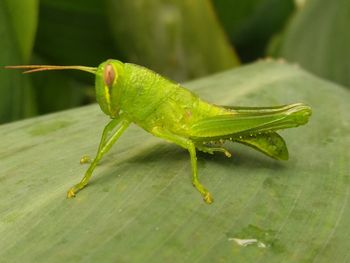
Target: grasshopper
(130, 93)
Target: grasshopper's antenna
(36, 68)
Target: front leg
(190, 146)
(104, 147)
(85, 159)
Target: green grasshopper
(129, 93)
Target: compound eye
(109, 75)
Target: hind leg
(211, 150)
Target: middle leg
(189, 145)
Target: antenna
(37, 68)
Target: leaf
(141, 206)
(177, 38)
(315, 39)
(17, 35)
(23, 15)
(250, 24)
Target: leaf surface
(141, 206)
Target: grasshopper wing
(255, 127)
(257, 120)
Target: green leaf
(23, 16)
(17, 30)
(178, 38)
(317, 39)
(141, 206)
(250, 24)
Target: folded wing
(252, 126)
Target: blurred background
(181, 39)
